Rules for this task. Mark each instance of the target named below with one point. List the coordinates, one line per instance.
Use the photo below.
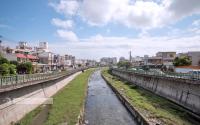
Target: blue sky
(94, 28)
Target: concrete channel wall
(137, 116)
(15, 104)
(183, 92)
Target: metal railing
(163, 74)
(6, 81)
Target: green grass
(153, 107)
(29, 117)
(67, 103)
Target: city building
(105, 61)
(167, 57)
(152, 61)
(80, 62)
(46, 61)
(43, 47)
(137, 61)
(122, 59)
(69, 61)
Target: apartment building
(167, 57)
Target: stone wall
(181, 91)
(15, 104)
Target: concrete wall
(17, 103)
(184, 92)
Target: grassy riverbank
(151, 106)
(67, 103)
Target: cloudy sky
(98, 28)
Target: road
(102, 106)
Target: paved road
(102, 106)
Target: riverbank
(67, 104)
(155, 109)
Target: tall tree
(182, 61)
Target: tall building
(108, 61)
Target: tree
(3, 60)
(12, 69)
(14, 62)
(125, 64)
(25, 68)
(4, 69)
(182, 61)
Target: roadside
(66, 107)
(155, 109)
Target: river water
(102, 105)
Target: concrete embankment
(137, 116)
(17, 103)
(181, 91)
(147, 107)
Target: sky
(103, 28)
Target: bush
(14, 62)
(4, 69)
(3, 60)
(182, 61)
(12, 69)
(125, 64)
(24, 68)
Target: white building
(69, 61)
(43, 47)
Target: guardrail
(164, 74)
(7, 81)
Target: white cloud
(67, 35)
(196, 23)
(138, 14)
(120, 46)
(67, 7)
(66, 24)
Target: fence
(164, 74)
(7, 81)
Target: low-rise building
(152, 61)
(69, 61)
(137, 61)
(167, 57)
